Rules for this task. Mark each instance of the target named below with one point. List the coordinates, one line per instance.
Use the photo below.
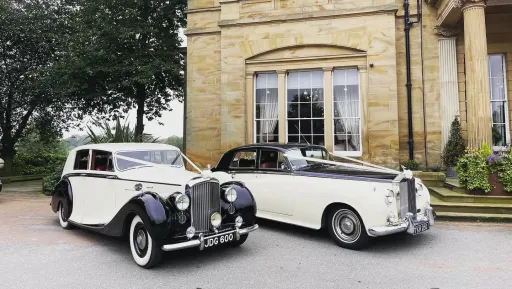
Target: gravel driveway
(36, 253)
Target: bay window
(266, 117)
(499, 105)
(347, 111)
(305, 107)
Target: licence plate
(421, 227)
(218, 240)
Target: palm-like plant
(120, 133)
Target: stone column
(249, 108)
(449, 86)
(328, 110)
(477, 74)
(281, 104)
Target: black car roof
(279, 146)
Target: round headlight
(230, 194)
(182, 202)
(190, 232)
(239, 221)
(216, 219)
(419, 188)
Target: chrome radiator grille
(407, 198)
(204, 201)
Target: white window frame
(507, 119)
(359, 152)
(311, 118)
(254, 104)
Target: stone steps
(450, 216)
(472, 208)
(447, 195)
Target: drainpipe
(408, 85)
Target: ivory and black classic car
(144, 191)
(304, 185)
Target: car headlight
(419, 188)
(239, 221)
(390, 195)
(231, 194)
(182, 202)
(216, 219)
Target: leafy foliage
(120, 133)
(37, 164)
(35, 142)
(124, 54)
(455, 146)
(473, 170)
(506, 174)
(75, 141)
(176, 141)
(52, 179)
(32, 33)
(412, 165)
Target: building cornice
(196, 31)
(447, 31)
(383, 9)
(205, 9)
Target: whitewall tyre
(347, 229)
(63, 220)
(146, 253)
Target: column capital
(281, 71)
(447, 31)
(466, 4)
(249, 74)
(327, 69)
(362, 68)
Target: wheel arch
(63, 194)
(331, 206)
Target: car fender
(63, 193)
(245, 204)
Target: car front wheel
(347, 229)
(146, 253)
(63, 220)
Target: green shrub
(473, 169)
(506, 174)
(51, 180)
(412, 165)
(455, 146)
(37, 164)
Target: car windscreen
(140, 158)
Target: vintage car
(302, 184)
(1, 166)
(145, 192)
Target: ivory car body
(302, 184)
(144, 191)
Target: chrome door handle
(111, 177)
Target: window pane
(305, 126)
(318, 78)
(293, 110)
(353, 143)
(339, 93)
(339, 77)
(292, 80)
(340, 142)
(352, 92)
(346, 102)
(497, 89)
(496, 66)
(319, 140)
(352, 108)
(293, 127)
(305, 95)
(318, 94)
(352, 125)
(305, 110)
(499, 135)
(498, 111)
(293, 95)
(244, 159)
(269, 159)
(293, 138)
(317, 109)
(305, 79)
(260, 95)
(352, 77)
(318, 126)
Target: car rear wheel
(146, 253)
(238, 243)
(347, 229)
(63, 219)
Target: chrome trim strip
(200, 242)
(407, 225)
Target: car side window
(245, 159)
(102, 161)
(271, 159)
(81, 160)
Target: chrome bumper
(406, 225)
(200, 242)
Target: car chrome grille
(204, 201)
(407, 197)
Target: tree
(176, 141)
(118, 134)
(455, 146)
(124, 55)
(31, 32)
(34, 142)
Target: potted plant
(411, 165)
(506, 173)
(495, 162)
(454, 148)
(473, 171)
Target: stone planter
(498, 189)
(450, 173)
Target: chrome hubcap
(141, 239)
(346, 226)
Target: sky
(173, 120)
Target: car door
(273, 179)
(100, 195)
(79, 181)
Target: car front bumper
(200, 241)
(409, 224)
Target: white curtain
(269, 112)
(346, 104)
(266, 90)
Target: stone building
(333, 72)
